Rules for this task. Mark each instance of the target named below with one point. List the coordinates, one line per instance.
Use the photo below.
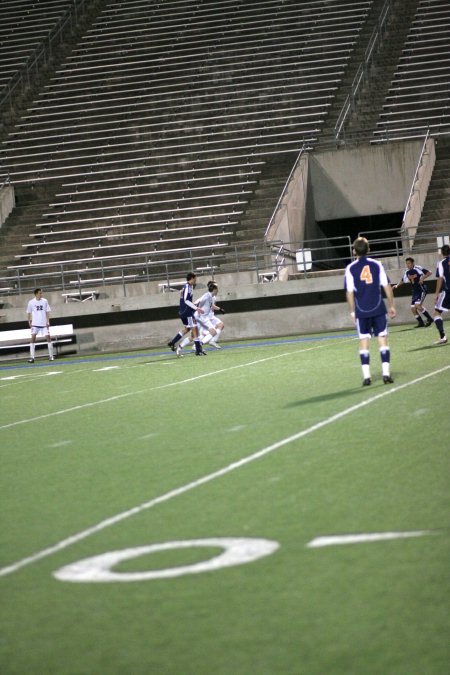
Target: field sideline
(255, 511)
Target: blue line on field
(139, 355)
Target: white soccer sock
(217, 335)
(50, 349)
(366, 370)
(185, 341)
(32, 349)
(385, 369)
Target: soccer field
(253, 511)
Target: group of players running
(200, 323)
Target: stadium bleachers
(27, 32)
(419, 94)
(163, 116)
(153, 140)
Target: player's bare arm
(390, 299)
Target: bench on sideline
(167, 286)
(19, 340)
(80, 295)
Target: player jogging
(416, 275)
(364, 279)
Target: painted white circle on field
(98, 568)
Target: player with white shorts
(38, 311)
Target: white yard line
(342, 539)
(176, 383)
(65, 543)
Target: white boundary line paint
(65, 543)
(339, 539)
(162, 386)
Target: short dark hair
(190, 275)
(409, 259)
(361, 246)
(37, 290)
(445, 250)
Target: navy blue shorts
(372, 325)
(188, 321)
(418, 296)
(443, 301)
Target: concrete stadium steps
(418, 95)
(357, 57)
(256, 217)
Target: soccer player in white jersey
(211, 325)
(38, 311)
(217, 325)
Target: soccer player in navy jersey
(416, 275)
(442, 299)
(364, 279)
(186, 312)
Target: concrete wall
(289, 222)
(345, 183)
(363, 181)
(7, 202)
(419, 194)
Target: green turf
(85, 444)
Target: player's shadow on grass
(423, 348)
(333, 395)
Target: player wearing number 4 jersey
(364, 279)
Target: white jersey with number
(205, 303)
(38, 310)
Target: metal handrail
(5, 181)
(416, 173)
(362, 69)
(252, 256)
(41, 52)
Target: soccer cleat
(214, 344)
(367, 382)
(420, 325)
(441, 341)
(387, 379)
(201, 353)
(429, 322)
(171, 345)
(179, 354)
(30, 360)
(51, 358)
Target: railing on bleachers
(266, 260)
